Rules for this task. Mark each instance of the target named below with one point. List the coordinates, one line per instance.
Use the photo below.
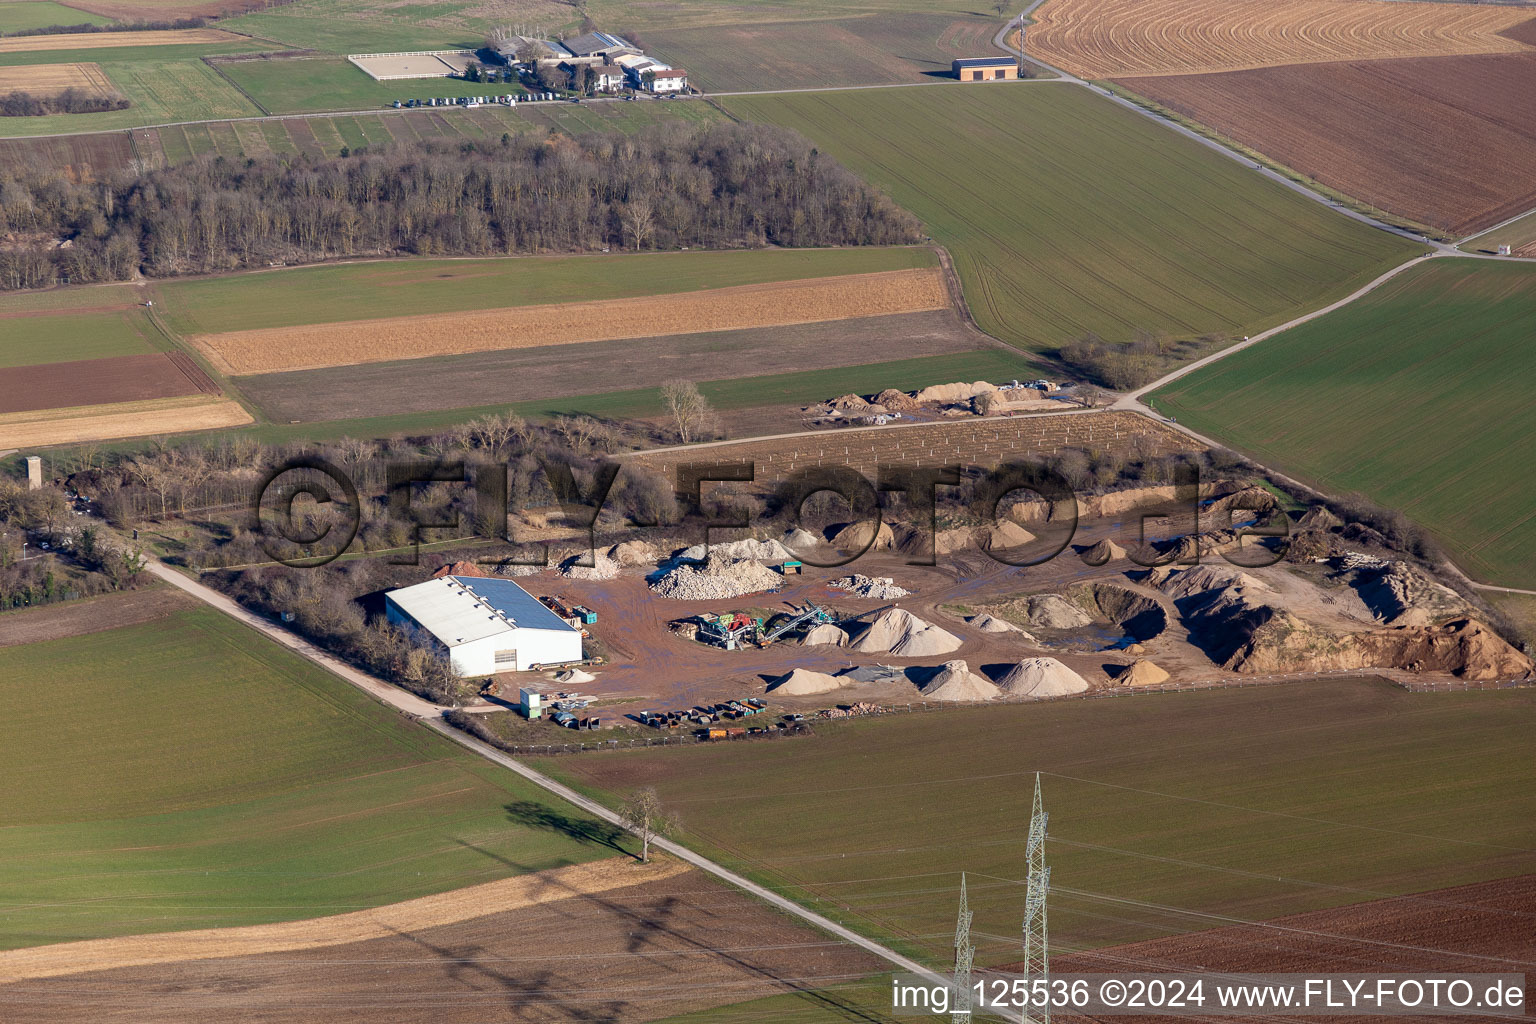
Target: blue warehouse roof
(527, 611)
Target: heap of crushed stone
(904, 634)
(631, 553)
(956, 681)
(824, 635)
(602, 567)
(803, 682)
(758, 550)
(575, 675)
(716, 579)
(881, 587)
(1041, 677)
(992, 624)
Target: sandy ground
(273, 349)
(135, 419)
(46, 79)
(635, 952)
(361, 926)
(107, 40)
(1102, 38)
(91, 615)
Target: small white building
(483, 625)
(665, 80)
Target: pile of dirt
(802, 682)
(1041, 677)
(949, 394)
(988, 623)
(759, 550)
(882, 587)
(896, 401)
(1141, 673)
(955, 681)
(1046, 611)
(824, 635)
(1006, 534)
(1248, 503)
(572, 676)
(1319, 518)
(900, 632)
(854, 537)
(458, 569)
(632, 553)
(1102, 553)
(602, 567)
(800, 539)
(1400, 595)
(716, 579)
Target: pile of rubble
(718, 578)
(862, 707)
(602, 567)
(882, 587)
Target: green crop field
(59, 337)
(1251, 803)
(367, 26)
(1416, 395)
(1066, 214)
(159, 90)
(387, 288)
(318, 84)
(43, 14)
(189, 773)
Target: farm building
(483, 625)
(985, 69)
(598, 44)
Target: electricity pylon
(965, 953)
(1037, 949)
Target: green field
(190, 773)
(360, 291)
(1416, 395)
(1514, 234)
(159, 90)
(63, 336)
(1066, 214)
(319, 84)
(43, 14)
(1251, 803)
(368, 26)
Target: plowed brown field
(101, 382)
(1449, 141)
(651, 947)
(1105, 38)
(720, 309)
(46, 79)
(129, 419)
(110, 40)
(1488, 927)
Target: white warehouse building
(483, 625)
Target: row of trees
(70, 101)
(1131, 364)
(112, 26)
(671, 186)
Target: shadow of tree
(583, 830)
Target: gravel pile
(902, 633)
(602, 567)
(882, 587)
(760, 550)
(1041, 677)
(803, 682)
(718, 579)
(956, 681)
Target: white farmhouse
(483, 625)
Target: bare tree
(644, 815)
(689, 409)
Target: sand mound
(901, 633)
(1041, 677)
(1052, 611)
(758, 550)
(1319, 518)
(1007, 534)
(856, 537)
(882, 587)
(458, 569)
(575, 675)
(825, 635)
(631, 553)
(948, 394)
(992, 624)
(717, 579)
(1102, 553)
(800, 539)
(602, 567)
(896, 401)
(956, 681)
(1142, 673)
(802, 682)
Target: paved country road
(431, 715)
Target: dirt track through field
(47, 79)
(1104, 38)
(359, 926)
(274, 349)
(109, 40)
(130, 419)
